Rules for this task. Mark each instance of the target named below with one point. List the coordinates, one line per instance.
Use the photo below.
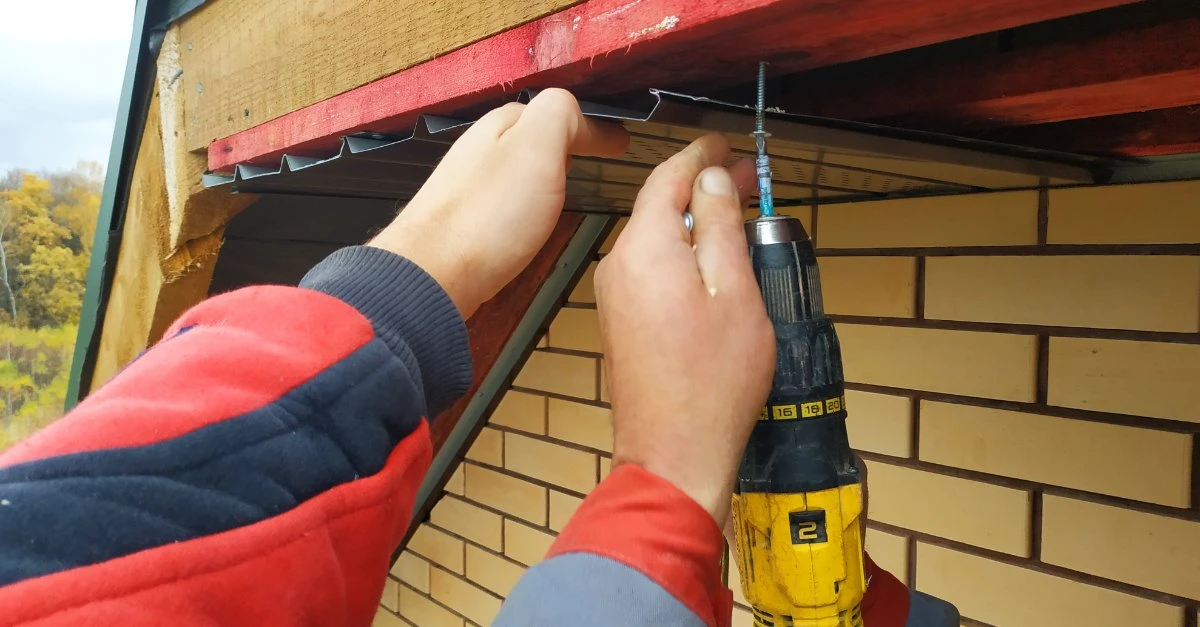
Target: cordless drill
(798, 496)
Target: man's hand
(492, 202)
(688, 347)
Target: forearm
(273, 425)
(637, 552)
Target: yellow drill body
(798, 499)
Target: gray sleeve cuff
(586, 590)
(929, 611)
(410, 312)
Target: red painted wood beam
(496, 320)
(1155, 66)
(611, 46)
(1143, 134)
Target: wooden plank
(1144, 134)
(192, 211)
(151, 286)
(611, 46)
(246, 61)
(172, 232)
(497, 319)
(1143, 67)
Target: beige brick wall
(1024, 374)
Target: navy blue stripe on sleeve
(334, 428)
(409, 311)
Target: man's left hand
(493, 201)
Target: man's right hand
(688, 347)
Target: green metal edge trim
(570, 266)
(1158, 169)
(131, 118)
(151, 19)
(174, 10)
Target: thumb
(720, 242)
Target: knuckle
(557, 98)
(500, 115)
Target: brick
(412, 570)
(586, 425)
(742, 617)
(988, 365)
(525, 544)
(880, 423)
(562, 507)
(1155, 379)
(585, 289)
(438, 547)
(1104, 458)
(462, 597)
(521, 411)
(1156, 552)
(1140, 292)
(569, 375)
(553, 463)
(507, 494)
(454, 485)
(607, 245)
(982, 514)
(603, 382)
(473, 523)
(391, 594)
(1155, 213)
(576, 329)
(869, 286)
(1001, 594)
(492, 572)
(605, 467)
(424, 612)
(488, 447)
(889, 551)
(998, 219)
(384, 618)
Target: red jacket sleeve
(639, 551)
(256, 467)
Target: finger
(720, 241)
(497, 121)
(668, 189)
(745, 179)
(553, 119)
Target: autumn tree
(46, 229)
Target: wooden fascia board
(245, 62)
(607, 46)
(1140, 68)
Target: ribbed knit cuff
(410, 312)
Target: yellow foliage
(46, 232)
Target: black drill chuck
(799, 443)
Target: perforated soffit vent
(814, 159)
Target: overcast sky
(61, 67)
